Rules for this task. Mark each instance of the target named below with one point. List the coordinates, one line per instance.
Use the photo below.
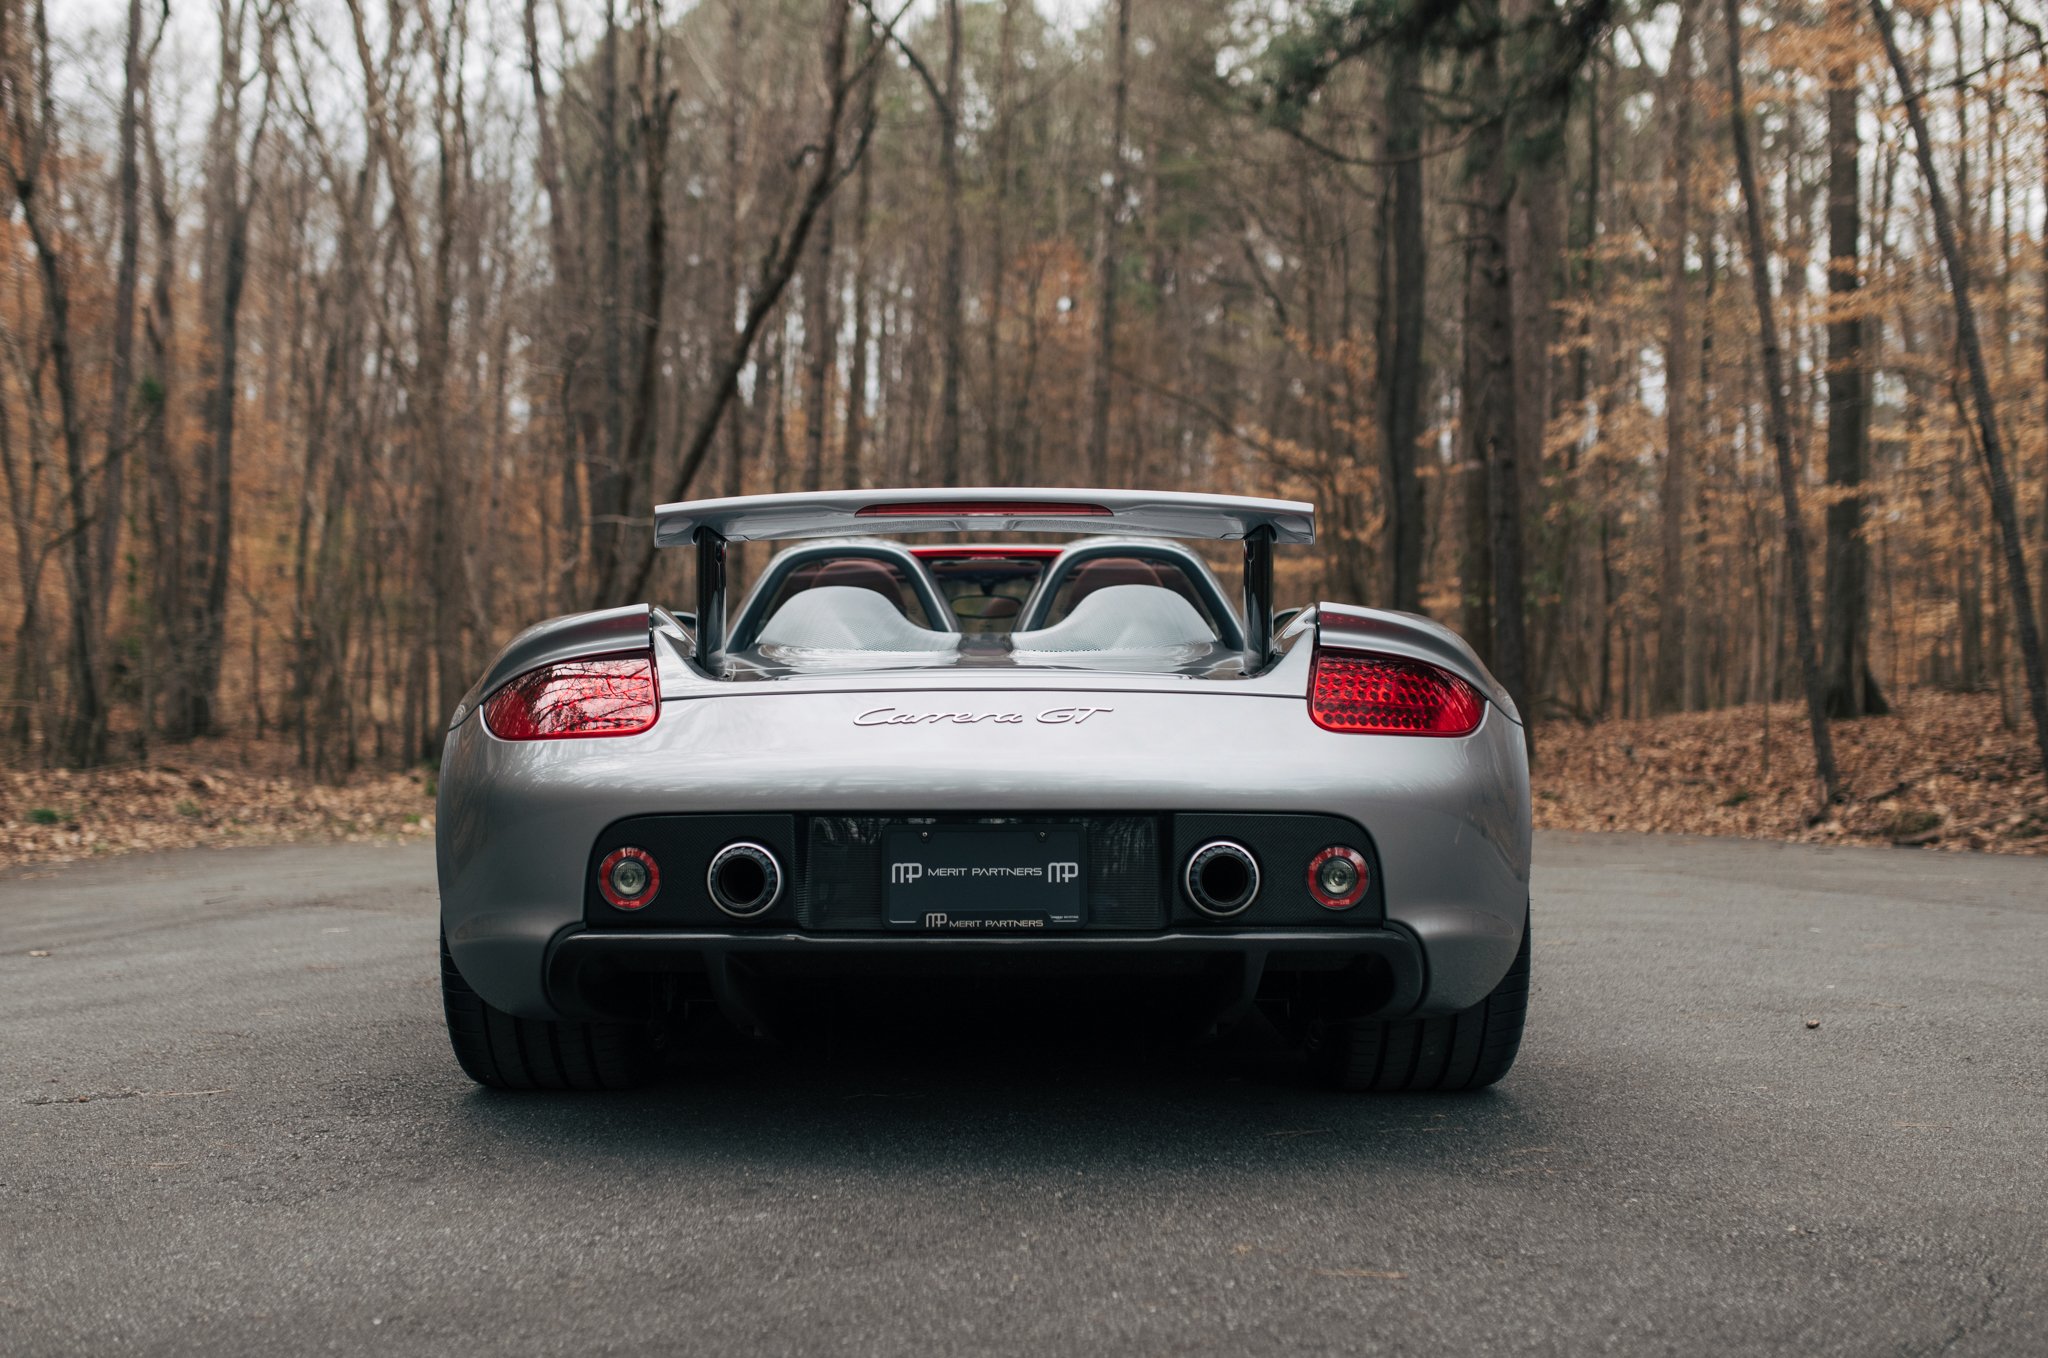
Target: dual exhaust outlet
(1222, 879)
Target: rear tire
(502, 1051)
(1454, 1052)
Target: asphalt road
(229, 1124)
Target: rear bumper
(585, 969)
(518, 821)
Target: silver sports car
(895, 763)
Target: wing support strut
(710, 627)
(1258, 598)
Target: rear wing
(838, 513)
(1259, 524)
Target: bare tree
(1780, 419)
(635, 470)
(570, 332)
(856, 421)
(127, 266)
(233, 179)
(951, 315)
(820, 344)
(996, 462)
(25, 93)
(1675, 501)
(1990, 442)
(1846, 681)
(1490, 358)
(827, 170)
(1107, 261)
(1404, 284)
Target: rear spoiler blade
(1140, 513)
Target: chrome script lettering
(1054, 716)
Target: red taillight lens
(606, 695)
(1387, 695)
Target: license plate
(985, 878)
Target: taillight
(605, 695)
(1391, 695)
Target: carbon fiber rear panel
(835, 869)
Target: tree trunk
(636, 471)
(1673, 601)
(1404, 283)
(996, 459)
(608, 480)
(853, 443)
(1533, 163)
(192, 707)
(1848, 687)
(1799, 583)
(26, 685)
(32, 116)
(1490, 372)
(1991, 444)
(1106, 260)
(946, 444)
(729, 241)
(571, 329)
(166, 491)
(819, 337)
(128, 194)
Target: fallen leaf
(1942, 772)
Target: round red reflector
(628, 878)
(1338, 877)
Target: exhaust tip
(1222, 878)
(744, 879)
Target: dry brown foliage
(212, 794)
(1942, 772)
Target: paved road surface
(229, 1124)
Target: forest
(1680, 354)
